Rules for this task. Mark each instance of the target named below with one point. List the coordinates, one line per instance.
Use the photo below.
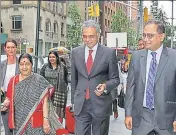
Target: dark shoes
(116, 115)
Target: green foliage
(121, 23)
(161, 15)
(74, 29)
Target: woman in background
(56, 73)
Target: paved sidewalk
(117, 126)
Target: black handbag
(121, 99)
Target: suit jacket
(104, 70)
(164, 90)
(3, 68)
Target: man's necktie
(89, 66)
(151, 82)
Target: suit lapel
(82, 57)
(143, 64)
(98, 56)
(162, 63)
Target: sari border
(13, 89)
(42, 96)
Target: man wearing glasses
(150, 105)
(94, 73)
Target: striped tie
(151, 82)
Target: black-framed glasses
(149, 35)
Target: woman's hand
(3, 108)
(46, 126)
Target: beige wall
(28, 11)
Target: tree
(74, 28)
(121, 23)
(159, 14)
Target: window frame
(15, 20)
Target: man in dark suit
(9, 68)
(150, 104)
(94, 74)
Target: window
(106, 11)
(1, 28)
(55, 27)
(62, 43)
(48, 26)
(56, 7)
(23, 48)
(108, 23)
(47, 47)
(16, 22)
(16, 1)
(55, 45)
(49, 5)
(62, 29)
(105, 22)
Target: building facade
(108, 9)
(19, 20)
(133, 13)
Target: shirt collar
(94, 48)
(158, 51)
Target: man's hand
(174, 126)
(100, 89)
(128, 122)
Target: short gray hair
(91, 23)
(160, 25)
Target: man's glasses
(148, 35)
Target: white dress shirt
(93, 53)
(149, 58)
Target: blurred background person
(140, 44)
(9, 68)
(27, 100)
(55, 72)
(114, 103)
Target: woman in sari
(27, 100)
(55, 72)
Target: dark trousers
(5, 123)
(88, 123)
(114, 105)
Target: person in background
(94, 74)
(140, 44)
(114, 103)
(8, 69)
(150, 101)
(27, 99)
(55, 73)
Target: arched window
(55, 27)
(48, 26)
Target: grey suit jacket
(3, 70)
(164, 91)
(104, 70)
